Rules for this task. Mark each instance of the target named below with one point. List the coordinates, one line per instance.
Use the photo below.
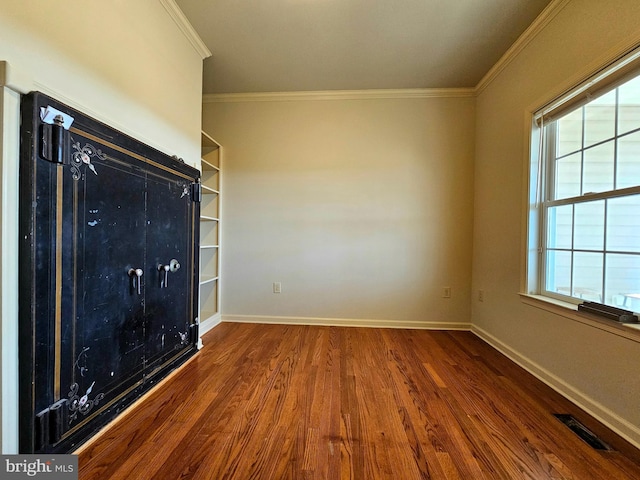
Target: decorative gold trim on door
(128, 152)
(57, 367)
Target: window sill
(629, 331)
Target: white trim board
(619, 425)
(345, 322)
(9, 200)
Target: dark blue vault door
(107, 241)
(109, 264)
(170, 248)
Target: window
(587, 192)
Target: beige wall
(594, 366)
(125, 63)
(361, 208)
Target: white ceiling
(311, 45)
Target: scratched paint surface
(107, 222)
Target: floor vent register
(583, 432)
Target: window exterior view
(591, 201)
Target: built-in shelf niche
(210, 234)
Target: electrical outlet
(446, 292)
(481, 295)
(277, 287)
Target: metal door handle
(135, 274)
(164, 270)
(164, 275)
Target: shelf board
(204, 218)
(209, 191)
(208, 166)
(204, 247)
(207, 141)
(204, 279)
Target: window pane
(560, 226)
(623, 281)
(568, 176)
(623, 224)
(629, 106)
(587, 276)
(589, 230)
(598, 168)
(600, 119)
(569, 133)
(592, 247)
(628, 169)
(558, 272)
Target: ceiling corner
(186, 28)
(523, 40)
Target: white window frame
(605, 80)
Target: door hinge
(52, 141)
(51, 424)
(194, 330)
(196, 192)
(52, 133)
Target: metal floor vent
(583, 432)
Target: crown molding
(339, 95)
(523, 40)
(186, 28)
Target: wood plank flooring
(308, 402)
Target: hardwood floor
(302, 402)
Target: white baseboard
(346, 322)
(207, 325)
(616, 423)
